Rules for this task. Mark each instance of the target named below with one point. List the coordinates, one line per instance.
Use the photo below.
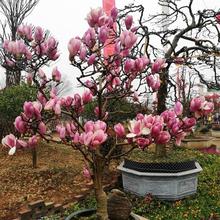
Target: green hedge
(11, 104)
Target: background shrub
(11, 104)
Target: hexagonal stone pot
(163, 183)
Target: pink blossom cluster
(201, 107)
(160, 129)
(153, 81)
(13, 143)
(93, 136)
(33, 41)
(86, 51)
(17, 48)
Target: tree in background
(181, 35)
(14, 12)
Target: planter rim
(161, 167)
(197, 139)
(93, 210)
(160, 174)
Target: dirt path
(57, 179)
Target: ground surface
(58, 178)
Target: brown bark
(101, 197)
(162, 92)
(12, 78)
(34, 157)
(160, 150)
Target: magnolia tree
(119, 74)
(13, 14)
(33, 49)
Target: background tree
(14, 12)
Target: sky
(66, 19)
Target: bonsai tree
(183, 36)
(105, 78)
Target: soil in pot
(173, 156)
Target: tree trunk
(162, 92)
(100, 195)
(160, 150)
(12, 78)
(34, 157)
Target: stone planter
(215, 133)
(202, 142)
(163, 185)
(197, 142)
(89, 212)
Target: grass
(205, 205)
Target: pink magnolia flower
(178, 108)
(196, 104)
(42, 128)
(137, 128)
(114, 14)
(70, 129)
(89, 38)
(41, 98)
(25, 31)
(28, 109)
(129, 65)
(89, 126)
(91, 59)
(76, 138)
(86, 138)
(103, 34)
(158, 64)
(179, 137)
(217, 18)
(86, 173)
(61, 130)
(119, 130)
(156, 129)
(87, 96)
(99, 137)
(56, 75)
(74, 46)
(93, 17)
(143, 142)
(67, 102)
(20, 125)
(163, 137)
(153, 81)
(208, 107)
(82, 53)
(11, 142)
(128, 39)
(128, 21)
(100, 125)
(53, 104)
(189, 122)
(51, 43)
(32, 141)
(38, 34)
